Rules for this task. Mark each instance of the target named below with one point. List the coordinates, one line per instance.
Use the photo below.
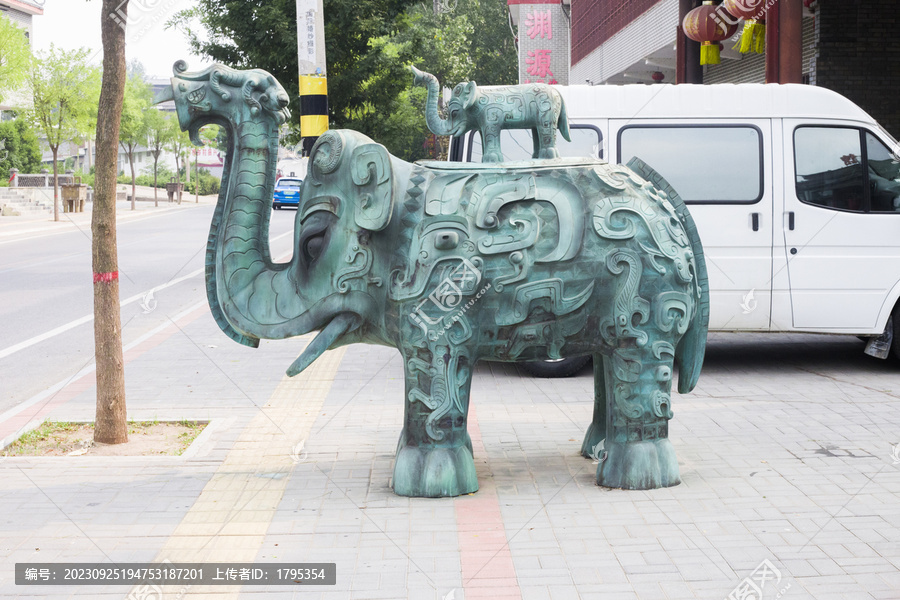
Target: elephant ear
(468, 94)
(370, 169)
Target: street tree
(110, 425)
(133, 127)
(465, 40)
(179, 143)
(15, 55)
(19, 148)
(369, 46)
(264, 35)
(160, 130)
(63, 90)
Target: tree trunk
(55, 186)
(155, 189)
(178, 176)
(133, 186)
(110, 426)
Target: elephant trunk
(249, 295)
(255, 294)
(436, 124)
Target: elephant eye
(313, 245)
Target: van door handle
(755, 220)
(791, 220)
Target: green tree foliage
(133, 127)
(64, 92)
(209, 184)
(369, 46)
(179, 143)
(470, 40)
(15, 54)
(161, 128)
(20, 149)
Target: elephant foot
(646, 465)
(590, 447)
(435, 471)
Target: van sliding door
(721, 172)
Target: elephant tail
(692, 348)
(562, 123)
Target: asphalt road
(46, 291)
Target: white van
(795, 191)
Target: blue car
(287, 192)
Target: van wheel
(894, 323)
(564, 367)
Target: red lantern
(709, 24)
(658, 76)
(753, 38)
(746, 9)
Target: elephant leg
(638, 384)
(547, 140)
(536, 139)
(596, 431)
(434, 454)
(490, 136)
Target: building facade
(848, 46)
(21, 12)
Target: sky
(71, 24)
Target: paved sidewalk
(785, 451)
(16, 227)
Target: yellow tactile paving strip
(229, 520)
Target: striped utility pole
(313, 83)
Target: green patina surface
(456, 263)
(490, 109)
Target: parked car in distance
(287, 192)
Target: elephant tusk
(338, 326)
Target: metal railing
(44, 179)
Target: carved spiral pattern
(214, 78)
(179, 67)
(327, 152)
(249, 86)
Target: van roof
(716, 101)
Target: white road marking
(88, 318)
(52, 390)
(70, 226)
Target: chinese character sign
(538, 65)
(310, 37)
(543, 44)
(539, 23)
(207, 157)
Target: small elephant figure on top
(535, 106)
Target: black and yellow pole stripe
(313, 109)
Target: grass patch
(145, 438)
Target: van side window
(518, 144)
(884, 176)
(829, 167)
(705, 164)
